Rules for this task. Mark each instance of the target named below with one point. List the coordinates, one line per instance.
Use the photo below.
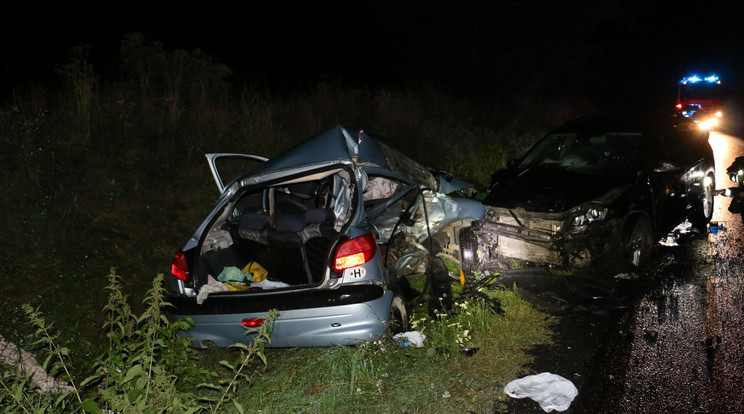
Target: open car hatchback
(322, 233)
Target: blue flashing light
(696, 79)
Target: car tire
(704, 209)
(468, 255)
(398, 317)
(638, 243)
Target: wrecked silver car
(594, 193)
(327, 233)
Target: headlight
(589, 215)
(738, 177)
(708, 123)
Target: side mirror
(512, 163)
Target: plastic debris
(684, 227)
(469, 351)
(410, 338)
(683, 230)
(715, 227)
(626, 276)
(551, 391)
(670, 240)
(267, 284)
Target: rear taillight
(355, 252)
(179, 267)
(253, 322)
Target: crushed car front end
(596, 192)
(514, 237)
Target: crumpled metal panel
(438, 211)
(335, 144)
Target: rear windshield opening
(287, 229)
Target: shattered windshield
(408, 167)
(587, 153)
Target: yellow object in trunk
(257, 271)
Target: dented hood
(549, 190)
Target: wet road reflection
(725, 317)
(681, 347)
(671, 341)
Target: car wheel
(638, 244)
(468, 255)
(704, 209)
(398, 318)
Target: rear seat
(289, 227)
(298, 231)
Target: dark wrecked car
(594, 193)
(327, 233)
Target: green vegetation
(110, 171)
(381, 377)
(148, 368)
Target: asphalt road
(670, 341)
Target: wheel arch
(630, 220)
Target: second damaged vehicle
(595, 193)
(327, 233)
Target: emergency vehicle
(700, 100)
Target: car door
(231, 166)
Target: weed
(149, 367)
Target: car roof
(650, 125)
(335, 144)
(614, 123)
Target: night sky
(615, 50)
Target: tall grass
(381, 377)
(147, 368)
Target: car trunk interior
(290, 229)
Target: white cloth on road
(551, 391)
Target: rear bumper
(345, 316)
